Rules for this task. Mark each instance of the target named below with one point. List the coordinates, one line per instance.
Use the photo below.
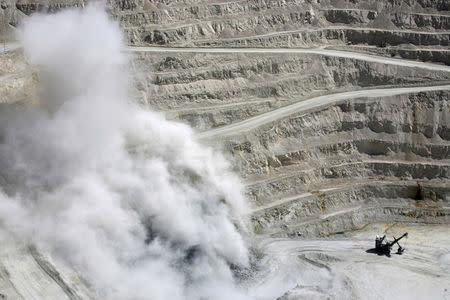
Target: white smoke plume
(137, 206)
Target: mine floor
(343, 267)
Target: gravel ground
(339, 267)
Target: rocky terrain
(335, 113)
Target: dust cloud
(132, 201)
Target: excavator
(382, 245)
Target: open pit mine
(245, 149)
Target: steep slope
(335, 113)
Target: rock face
(350, 159)
(335, 163)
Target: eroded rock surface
(311, 169)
